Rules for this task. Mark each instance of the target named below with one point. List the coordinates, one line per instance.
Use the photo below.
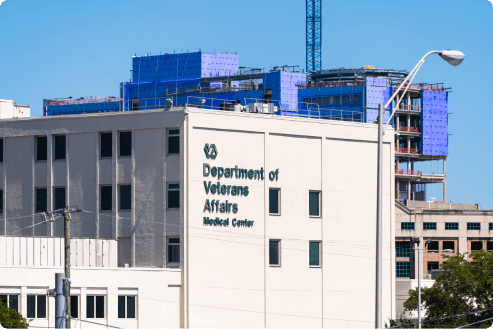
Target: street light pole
(454, 58)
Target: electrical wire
(470, 324)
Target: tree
(465, 286)
(10, 318)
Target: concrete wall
(402, 294)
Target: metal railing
(409, 129)
(416, 108)
(407, 172)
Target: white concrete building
(227, 219)
(9, 110)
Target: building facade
(266, 219)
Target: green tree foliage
(10, 318)
(464, 286)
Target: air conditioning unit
(264, 108)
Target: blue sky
(81, 48)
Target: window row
(95, 306)
(471, 226)
(59, 145)
(314, 202)
(314, 252)
(334, 100)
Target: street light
(454, 58)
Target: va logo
(210, 151)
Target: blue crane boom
(313, 35)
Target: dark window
(128, 311)
(173, 250)
(451, 226)
(60, 147)
(106, 197)
(1, 201)
(491, 226)
(429, 226)
(345, 99)
(174, 141)
(41, 148)
(274, 258)
(489, 245)
(474, 226)
(11, 301)
(95, 306)
(448, 246)
(476, 245)
(314, 203)
(125, 197)
(36, 306)
(402, 269)
(41, 200)
(433, 266)
(274, 201)
(407, 226)
(90, 307)
(106, 145)
(125, 143)
(59, 198)
(74, 306)
(173, 196)
(433, 246)
(314, 251)
(1, 150)
(31, 306)
(402, 248)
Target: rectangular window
(429, 226)
(402, 248)
(406, 226)
(174, 141)
(36, 306)
(274, 204)
(125, 197)
(476, 246)
(489, 245)
(402, 269)
(106, 145)
(274, 252)
(41, 148)
(473, 226)
(41, 200)
(95, 307)
(173, 196)
(11, 301)
(125, 143)
(433, 266)
(314, 203)
(451, 226)
(59, 146)
(126, 307)
(448, 246)
(74, 306)
(490, 226)
(58, 198)
(314, 253)
(173, 250)
(1, 201)
(106, 197)
(1, 149)
(433, 247)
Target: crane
(313, 35)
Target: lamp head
(169, 101)
(428, 241)
(453, 57)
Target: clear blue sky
(81, 48)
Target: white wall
(9, 110)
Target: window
(174, 141)
(173, 250)
(60, 150)
(489, 245)
(74, 306)
(95, 307)
(106, 145)
(274, 201)
(274, 252)
(125, 143)
(36, 306)
(473, 226)
(433, 266)
(402, 269)
(429, 226)
(41, 148)
(433, 247)
(402, 248)
(476, 246)
(173, 196)
(451, 226)
(314, 251)
(11, 301)
(1, 150)
(41, 200)
(128, 311)
(125, 197)
(106, 197)
(314, 203)
(491, 226)
(1, 201)
(407, 226)
(58, 198)
(448, 246)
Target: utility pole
(59, 300)
(66, 229)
